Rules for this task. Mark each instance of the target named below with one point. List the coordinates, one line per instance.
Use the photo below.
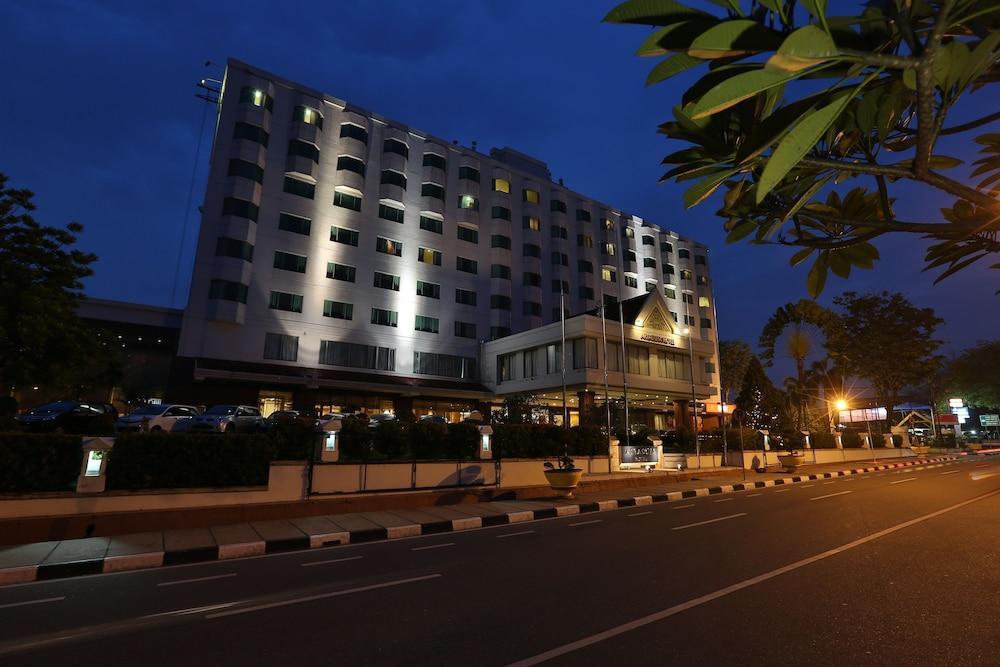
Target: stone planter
(974, 446)
(563, 482)
(791, 461)
(920, 450)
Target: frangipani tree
(795, 101)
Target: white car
(160, 417)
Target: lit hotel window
(501, 185)
(703, 302)
(530, 196)
(468, 201)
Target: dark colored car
(82, 417)
(227, 419)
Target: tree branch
(880, 59)
(972, 124)
(936, 228)
(858, 167)
(925, 93)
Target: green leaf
(839, 264)
(670, 66)
(734, 38)
(738, 88)
(659, 41)
(941, 67)
(801, 139)
(910, 78)
(740, 231)
(652, 12)
(804, 48)
(818, 9)
(958, 56)
(800, 256)
(980, 59)
(703, 189)
(806, 196)
(816, 280)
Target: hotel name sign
(658, 339)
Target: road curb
(18, 575)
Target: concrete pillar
(838, 439)
(614, 456)
(95, 465)
(866, 442)
(682, 414)
(585, 400)
(808, 444)
(888, 440)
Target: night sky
(99, 118)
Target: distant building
(349, 261)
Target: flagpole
(604, 336)
(562, 319)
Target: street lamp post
(841, 405)
(694, 398)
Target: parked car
(375, 420)
(164, 417)
(227, 419)
(433, 419)
(67, 417)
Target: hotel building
(346, 260)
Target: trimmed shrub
(188, 460)
(823, 440)
(463, 441)
(39, 462)
(533, 441)
(851, 439)
(292, 441)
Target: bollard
(95, 463)
(485, 442)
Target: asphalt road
(898, 567)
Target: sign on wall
(639, 453)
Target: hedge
(407, 441)
(188, 460)
(534, 441)
(851, 439)
(39, 462)
(822, 440)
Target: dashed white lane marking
(716, 520)
(192, 581)
(24, 604)
(522, 532)
(752, 495)
(332, 560)
(728, 590)
(949, 472)
(683, 507)
(825, 483)
(782, 490)
(831, 495)
(585, 523)
(433, 546)
(321, 596)
(724, 500)
(900, 481)
(639, 514)
(808, 486)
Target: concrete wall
(531, 472)
(286, 482)
(820, 456)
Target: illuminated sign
(955, 403)
(659, 340)
(639, 453)
(989, 420)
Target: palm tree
(799, 345)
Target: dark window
(338, 310)
(560, 258)
(557, 205)
(582, 215)
(345, 200)
(584, 241)
(668, 269)
(648, 240)
(500, 241)
(649, 262)
(426, 324)
(611, 302)
(631, 281)
(387, 281)
(289, 262)
(499, 332)
(296, 187)
(560, 287)
(396, 146)
(431, 224)
(354, 132)
(684, 253)
(250, 133)
(469, 173)
(532, 279)
(532, 309)
(303, 149)
(670, 292)
(385, 318)
(532, 250)
(435, 160)
(500, 302)
(295, 224)
(465, 329)
(308, 115)
(468, 234)
(584, 266)
(227, 290)
(281, 347)
(256, 97)
(558, 232)
(356, 355)
(501, 212)
(348, 163)
(346, 236)
(702, 280)
(388, 246)
(284, 301)
(391, 177)
(586, 292)
(227, 247)
(240, 208)
(340, 272)
(706, 323)
(500, 271)
(429, 290)
(466, 297)
(466, 265)
(699, 259)
(650, 285)
(685, 274)
(448, 365)
(432, 190)
(666, 246)
(246, 169)
(390, 213)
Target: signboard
(659, 340)
(955, 403)
(639, 453)
(989, 420)
(947, 419)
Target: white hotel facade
(346, 260)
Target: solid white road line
(724, 500)
(808, 486)
(949, 472)
(24, 604)
(191, 581)
(900, 481)
(321, 596)
(683, 507)
(825, 483)
(716, 520)
(830, 495)
(584, 523)
(523, 532)
(433, 546)
(639, 514)
(752, 495)
(333, 560)
(722, 592)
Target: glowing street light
(840, 404)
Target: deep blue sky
(99, 119)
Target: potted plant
(792, 458)
(564, 476)
(920, 450)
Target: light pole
(694, 398)
(841, 405)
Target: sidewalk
(94, 555)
